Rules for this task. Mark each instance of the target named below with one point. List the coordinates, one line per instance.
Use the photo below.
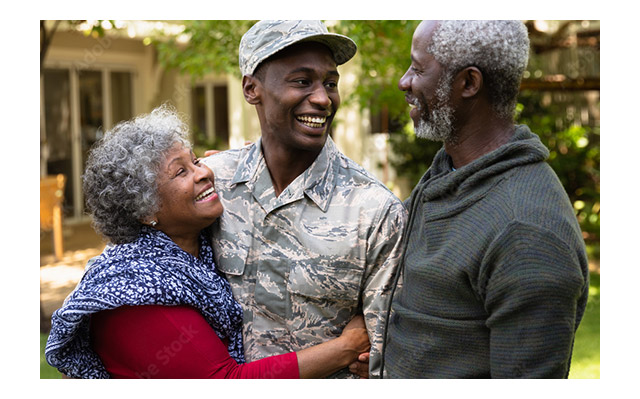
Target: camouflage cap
(266, 38)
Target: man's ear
(472, 81)
(250, 89)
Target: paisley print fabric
(152, 270)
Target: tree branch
(45, 40)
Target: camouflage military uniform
(304, 263)
(256, 45)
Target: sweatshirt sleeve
(533, 283)
(173, 342)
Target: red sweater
(173, 342)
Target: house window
(210, 115)
(55, 155)
(121, 97)
(221, 112)
(78, 106)
(91, 110)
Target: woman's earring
(153, 223)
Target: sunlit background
(96, 73)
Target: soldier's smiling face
(298, 97)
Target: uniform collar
(318, 181)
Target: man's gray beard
(438, 126)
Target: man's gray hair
(500, 49)
(122, 168)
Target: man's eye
(331, 85)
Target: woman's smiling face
(188, 202)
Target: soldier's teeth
(313, 121)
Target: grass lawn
(46, 371)
(586, 350)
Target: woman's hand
(354, 330)
(324, 359)
(213, 152)
(355, 335)
(210, 152)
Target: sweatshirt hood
(472, 181)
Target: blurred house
(89, 83)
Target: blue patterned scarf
(152, 270)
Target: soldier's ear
(251, 89)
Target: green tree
(574, 155)
(212, 47)
(49, 28)
(383, 57)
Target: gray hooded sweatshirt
(495, 272)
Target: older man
(308, 238)
(495, 270)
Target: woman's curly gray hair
(120, 177)
(500, 49)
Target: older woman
(152, 304)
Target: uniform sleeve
(173, 342)
(383, 256)
(533, 283)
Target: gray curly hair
(119, 182)
(500, 49)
